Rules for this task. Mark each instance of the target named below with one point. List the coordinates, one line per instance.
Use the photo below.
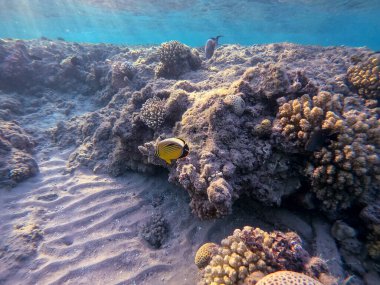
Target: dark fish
(319, 139)
(210, 46)
(34, 57)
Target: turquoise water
(322, 22)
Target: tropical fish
(171, 149)
(319, 139)
(210, 46)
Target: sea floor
(84, 228)
(81, 227)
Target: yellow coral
(204, 254)
(287, 278)
(365, 77)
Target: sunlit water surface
(323, 22)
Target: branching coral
(342, 134)
(365, 77)
(153, 112)
(253, 250)
(176, 59)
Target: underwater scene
(190, 142)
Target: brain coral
(251, 250)
(287, 278)
(204, 254)
(153, 112)
(343, 134)
(365, 77)
(236, 102)
(176, 58)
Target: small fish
(318, 139)
(171, 149)
(210, 46)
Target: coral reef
(236, 102)
(153, 112)
(204, 254)
(155, 231)
(343, 134)
(122, 72)
(17, 163)
(254, 251)
(271, 123)
(365, 77)
(287, 278)
(176, 59)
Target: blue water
(322, 22)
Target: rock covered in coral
(122, 72)
(17, 163)
(236, 102)
(155, 231)
(176, 59)
(252, 251)
(365, 77)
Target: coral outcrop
(365, 77)
(17, 163)
(176, 59)
(342, 133)
(254, 251)
(155, 231)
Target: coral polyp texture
(204, 254)
(153, 112)
(252, 253)
(365, 77)
(175, 59)
(287, 278)
(343, 136)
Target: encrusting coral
(365, 77)
(252, 251)
(175, 59)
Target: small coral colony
(266, 122)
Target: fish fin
(168, 161)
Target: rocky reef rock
(16, 146)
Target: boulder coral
(252, 251)
(287, 278)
